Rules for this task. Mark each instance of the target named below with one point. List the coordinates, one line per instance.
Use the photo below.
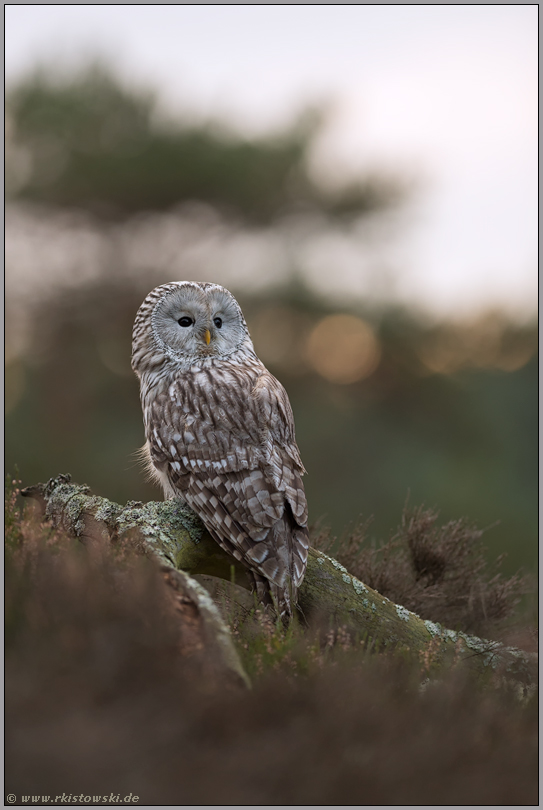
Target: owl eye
(185, 321)
(217, 322)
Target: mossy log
(176, 537)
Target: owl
(220, 433)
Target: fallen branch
(176, 537)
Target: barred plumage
(220, 432)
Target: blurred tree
(449, 413)
(94, 144)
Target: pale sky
(445, 93)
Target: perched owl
(220, 433)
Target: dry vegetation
(441, 573)
(102, 695)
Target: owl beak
(207, 336)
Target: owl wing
(225, 440)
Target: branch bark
(178, 540)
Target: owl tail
(278, 600)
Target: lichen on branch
(173, 534)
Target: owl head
(189, 322)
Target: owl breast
(201, 422)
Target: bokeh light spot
(487, 343)
(343, 349)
